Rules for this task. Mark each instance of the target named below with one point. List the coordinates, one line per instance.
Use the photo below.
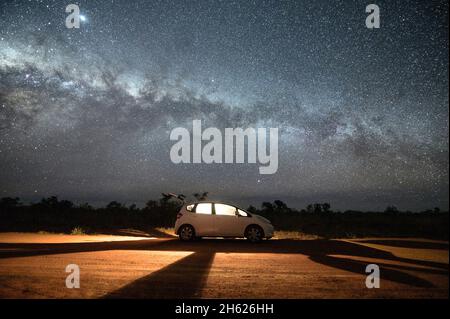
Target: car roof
(213, 202)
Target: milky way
(86, 113)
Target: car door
(244, 219)
(203, 220)
(226, 220)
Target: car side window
(225, 210)
(204, 208)
(242, 213)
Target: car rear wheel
(186, 233)
(254, 233)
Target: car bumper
(268, 231)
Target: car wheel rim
(186, 233)
(254, 234)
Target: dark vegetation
(53, 215)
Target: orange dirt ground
(33, 266)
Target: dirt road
(33, 266)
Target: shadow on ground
(150, 233)
(186, 277)
(403, 243)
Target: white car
(211, 219)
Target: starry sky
(86, 113)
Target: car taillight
(179, 215)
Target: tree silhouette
(151, 204)
(164, 200)
(61, 215)
(201, 196)
(114, 205)
(317, 208)
(326, 207)
(9, 202)
(53, 203)
(280, 204)
(267, 206)
(391, 209)
(50, 202)
(252, 209)
(65, 204)
(86, 206)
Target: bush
(77, 231)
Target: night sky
(86, 113)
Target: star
(362, 114)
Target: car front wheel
(254, 234)
(186, 233)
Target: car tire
(254, 233)
(186, 233)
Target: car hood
(263, 219)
